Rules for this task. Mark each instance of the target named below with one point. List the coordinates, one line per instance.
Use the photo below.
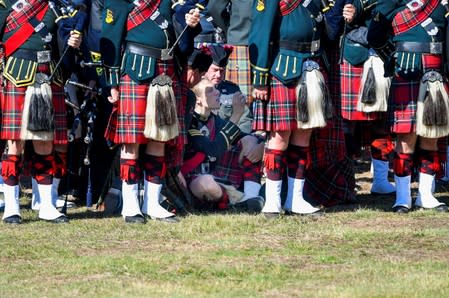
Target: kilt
(12, 100)
(329, 177)
(403, 97)
(351, 78)
(228, 167)
(279, 112)
(238, 69)
(127, 121)
(330, 185)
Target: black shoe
(400, 209)
(170, 219)
(136, 219)
(440, 208)
(251, 205)
(61, 219)
(13, 220)
(317, 213)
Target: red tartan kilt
(228, 167)
(12, 100)
(238, 69)
(403, 98)
(279, 113)
(350, 80)
(127, 123)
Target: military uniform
(33, 108)
(365, 111)
(418, 29)
(127, 25)
(234, 19)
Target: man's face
(215, 74)
(193, 76)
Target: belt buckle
(43, 56)
(165, 54)
(315, 45)
(436, 48)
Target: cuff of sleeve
(112, 76)
(230, 132)
(259, 77)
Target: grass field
(354, 251)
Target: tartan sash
(287, 6)
(142, 12)
(406, 19)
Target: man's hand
(349, 13)
(238, 107)
(260, 93)
(193, 17)
(114, 95)
(75, 39)
(251, 149)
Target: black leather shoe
(400, 209)
(136, 219)
(170, 219)
(317, 213)
(13, 220)
(441, 208)
(61, 219)
(251, 205)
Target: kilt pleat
(12, 100)
(351, 78)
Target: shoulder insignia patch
(260, 5)
(109, 16)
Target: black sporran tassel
(440, 110)
(369, 88)
(301, 102)
(41, 112)
(326, 102)
(166, 113)
(429, 111)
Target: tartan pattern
(351, 79)
(279, 112)
(60, 164)
(10, 169)
(329, 177)
(297, 159)
(228, 167)
(127, 122)
(238, 70)
(429, 162)
(403, 97)
(42, 168)
(130, 171)
(174, 149)
(12, 100)
(381, 149)
(287, 6)
(275, 162)
(17, 19)
(330, 185)
(141, 13)
(251, 171)
(403, 164)
(406, 19)
(154, 168)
